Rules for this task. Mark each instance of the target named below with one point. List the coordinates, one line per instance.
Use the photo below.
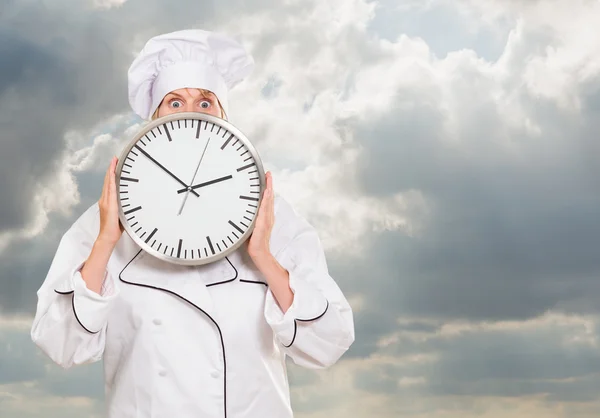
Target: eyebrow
(173, 95)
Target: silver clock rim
(181, 116)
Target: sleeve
(318, 328)
(70, 320)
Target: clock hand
(206, 183)
(189, 189)
(163, 167)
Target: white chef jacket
(193, 341)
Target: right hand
(110, 226)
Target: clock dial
(189, 188)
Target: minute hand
(206, 183)
(165, 169)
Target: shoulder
(87, 224)
(289, 224)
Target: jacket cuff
(309, 304)
(90, 308)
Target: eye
(205, 104)
(176, 104)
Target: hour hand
(206, 183)
(166, 170)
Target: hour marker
(151, 235)
(179, 248)
(133, 210)
(227, 142)
(130, 179)
(167, 132)
(236, 227)
(249, 198)
(198, 130)
(210, 245)
(246, 166)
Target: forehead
(191, 93)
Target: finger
(112, 188)
(105, 185)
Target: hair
(203, 93)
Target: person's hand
(110, 226)
(258, 244)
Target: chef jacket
(193, 341)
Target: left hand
(258, 244)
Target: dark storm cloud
(512, 228)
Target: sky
(447, 152)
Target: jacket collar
(186, 282)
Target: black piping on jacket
(201, 310)
(305, 320)
(72, 292)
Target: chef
(181, 341)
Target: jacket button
(157, 321)
(215, 374)
(162, 373)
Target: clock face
(189, 187)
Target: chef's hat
(188, 58)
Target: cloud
(451, 173)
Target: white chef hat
(186, 59)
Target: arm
(318, 327)
(76, 297)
